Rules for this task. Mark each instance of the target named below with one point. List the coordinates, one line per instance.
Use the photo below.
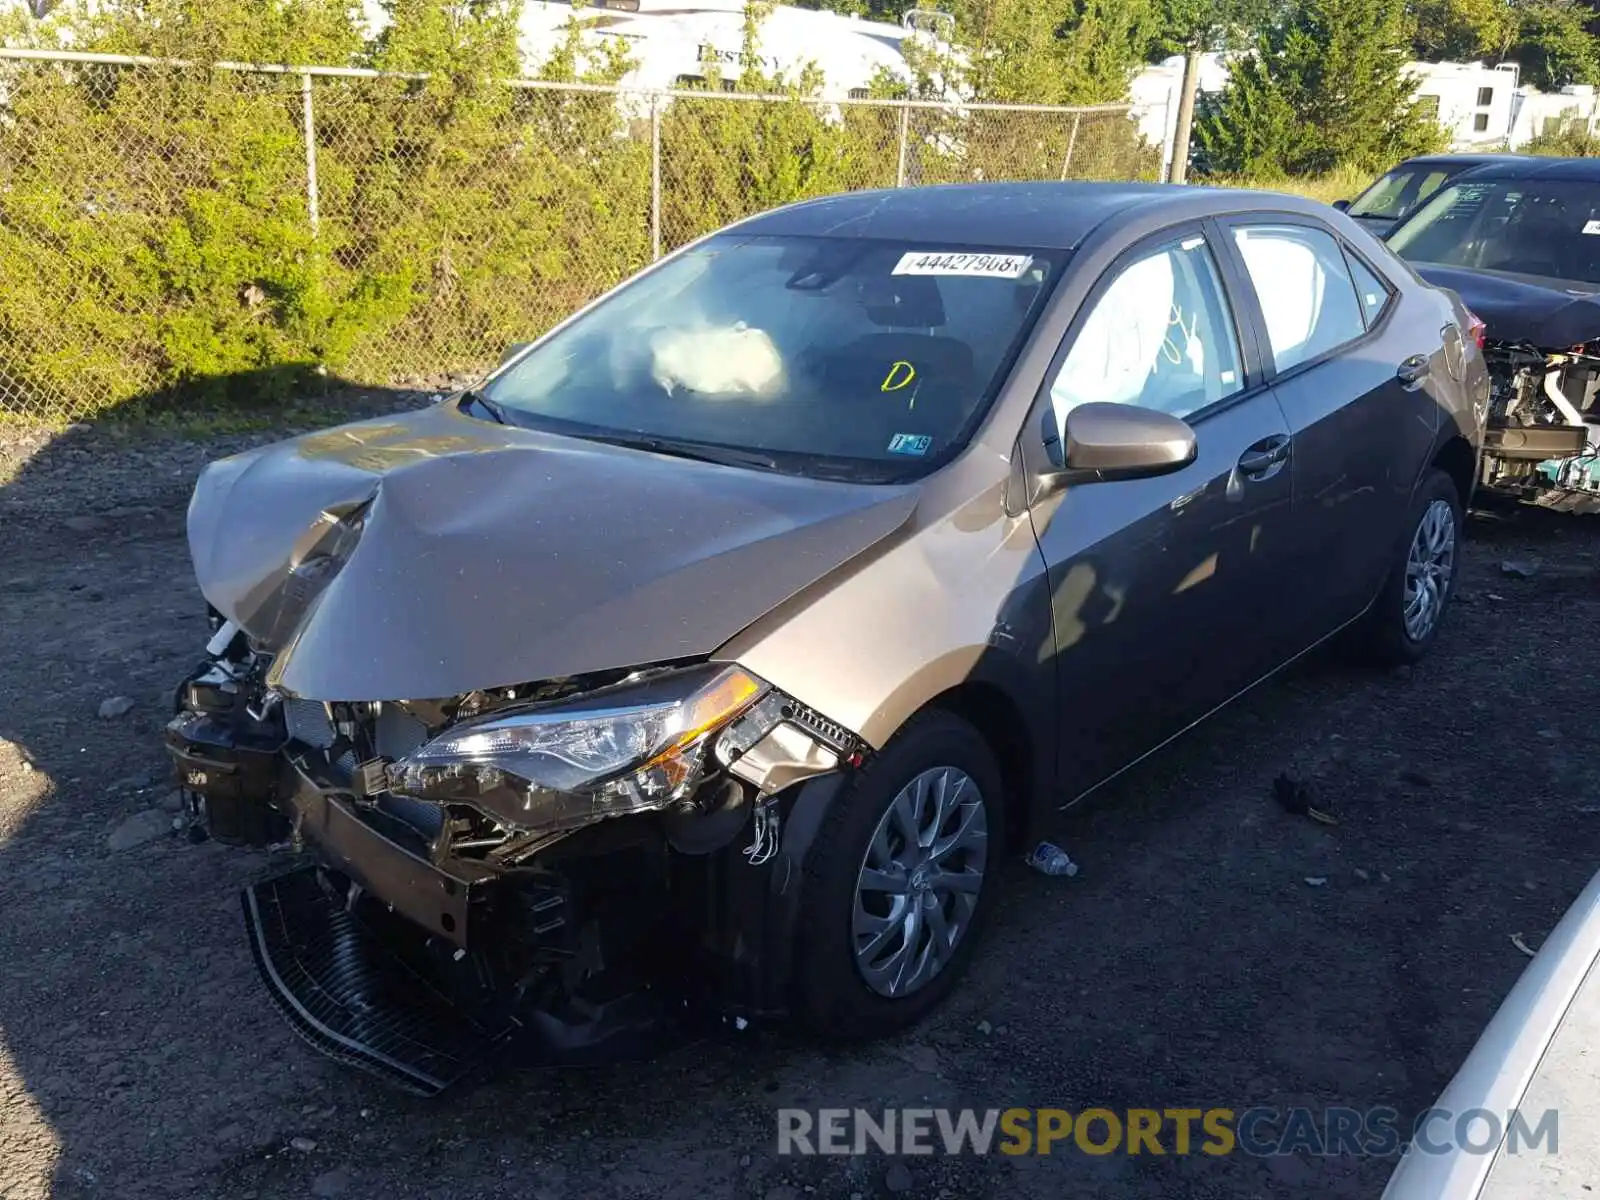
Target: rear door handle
(1413, 371)
(1265, 454)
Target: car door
(1159, 584)
(1352, 373)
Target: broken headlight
(627, 749)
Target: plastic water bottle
(1050, 859)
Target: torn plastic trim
(785, 755)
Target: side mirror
(1341, 205)
(1122, 441)
(513, 350)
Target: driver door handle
(1413, 371)
(1265, 454)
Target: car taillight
(1476, 329)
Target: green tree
(723, 160)
(1191, 28)
(1553, 44)
(872, 10)
(1458, 30)
(1051, 51)
(155, 224)
(1553, 40)
(260, 31)
(1324, 88)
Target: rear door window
(1307, 298)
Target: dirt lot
(1190, 963)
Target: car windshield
(1399, 192)
(846, 357)
(1549, 228)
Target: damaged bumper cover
(1542, 442)
(1541, 345)
(502, 880)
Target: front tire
(1404, 621)
(900, 881)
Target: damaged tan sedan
(714, 654)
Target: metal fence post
(905, 130)
(309, 121)
(655, 174)
(1072, 140)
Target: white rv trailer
(1480, 106)
(680, 43)
(676, 43)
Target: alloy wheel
(920, 881)
(1430, 565)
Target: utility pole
(1180, 136)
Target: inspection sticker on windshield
(992, 266)
(910, 443)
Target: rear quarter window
(1373, 292)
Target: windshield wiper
(475, 397)
(727, 456)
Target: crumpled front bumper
(439, 900)
(425, 967)
(356, 983)
(345, 988)
(389, 962)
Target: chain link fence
(170, 232)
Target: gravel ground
(1190, 963)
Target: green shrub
(1565, 137)
(157, 240)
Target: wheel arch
(1017, 743)
(1457, 459)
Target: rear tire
(899, 882)
(1404, 621)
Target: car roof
(1467, 160)
(1530, 166)
(1040, 215)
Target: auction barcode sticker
(993, 266)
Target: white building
(1577, 102)
(1483, 107)
(1474, 102)
(1487, 107)
(673, 43)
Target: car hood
(1548, 313)
(431, 554)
